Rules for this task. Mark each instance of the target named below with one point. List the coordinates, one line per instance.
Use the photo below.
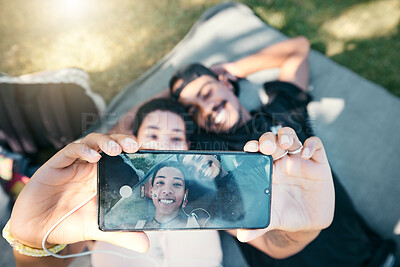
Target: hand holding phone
(61, 184)
(303, 197)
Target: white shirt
(167, 248)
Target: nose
(206, 109)
(206, 106)
(164, 142)
(167, 190)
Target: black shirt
(348, 241)
(286, 107)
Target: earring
(184, 201)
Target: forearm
(273, 56)
(281, 244)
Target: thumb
(137, 241)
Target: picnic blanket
(356, 119)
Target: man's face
(211, 102)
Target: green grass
(116, 41)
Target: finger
(314, 149)
(267, 143)
(71, 153)
(232, 77)
(248, 235)
(102, 142)
(150, 145)
(227, 76)
(251, 146)
(127, 142)
(137, 241)
(289, 140)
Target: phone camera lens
(125, 191)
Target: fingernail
(284, 140)
(252, 146)
(306, 152)
(130, 143)
(93, 153)
(268, 145)
(113, 145)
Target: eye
(210, 163)
(178, 184)
(177, 139)
(159, 182)
(153, 136)
(208, 94)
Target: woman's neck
(160, 218)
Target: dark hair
(163, 104)
(190, 73)
(173, 164)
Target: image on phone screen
(176, 190)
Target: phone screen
(176, 190)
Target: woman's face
(207, 166)
(163, 130)
(168, 191)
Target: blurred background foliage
(116, 41)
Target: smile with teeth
(207, 172)
(166, 201)
(220, 116)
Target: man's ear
(178, 83)
(225, 81)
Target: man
(213, 102)
(216, 186)
(211, 98)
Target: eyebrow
(153, 127)
(158, 128)
(176, 178)
(161, 176)
(201, 88)
(178, 130)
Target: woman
(69, 178)
(159, 124)
(169, 191)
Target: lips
(206, 171)
(219, 114)
(166, 201)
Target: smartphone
(177, 190)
